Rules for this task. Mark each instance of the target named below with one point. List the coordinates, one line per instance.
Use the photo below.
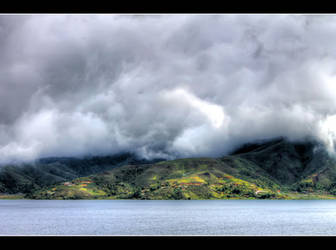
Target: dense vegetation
(27, 178)
(277, 169)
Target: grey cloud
(163, 85)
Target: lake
(138, 217)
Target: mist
(163, 86)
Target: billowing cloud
(163, 85)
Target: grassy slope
(276, 169)
(45, 172)
(179, 179)
(228, 178)
(301, 167)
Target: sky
(163, 86)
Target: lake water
(132, 217)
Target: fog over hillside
(163, 85)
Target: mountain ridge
(274, 169)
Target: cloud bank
(163, 85)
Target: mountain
(26, 178)
(296, 165)
(275, 169)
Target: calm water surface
(131, 217)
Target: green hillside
(276, 169)
(179, 179)
(26, 178)
(273, 170)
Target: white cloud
(101, 84)
(213, 112)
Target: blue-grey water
(132, 217)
